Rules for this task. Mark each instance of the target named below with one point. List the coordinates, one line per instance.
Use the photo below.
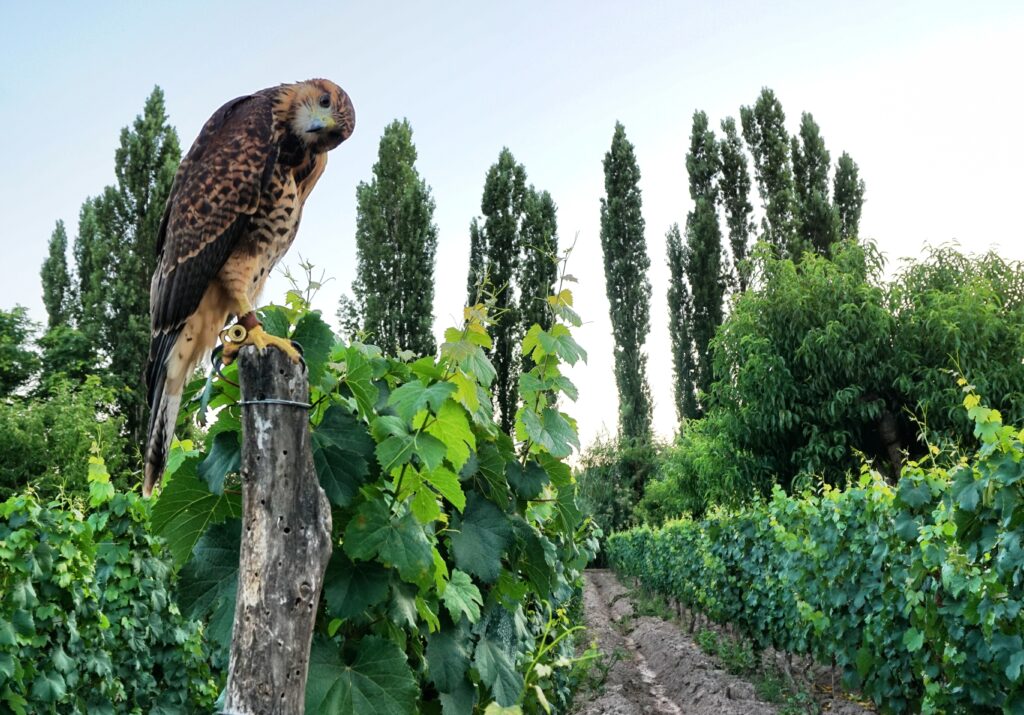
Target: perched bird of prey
(232, 212)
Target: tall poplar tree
(817, 221)
(626, 284)
(765, 132)
(848, 196)
(495, 250)
(396, 243)
(703, 263)
(734, 189)
(57, 297)
(116, 252)
(539, 268)
(680, 313)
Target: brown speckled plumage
(232, 213)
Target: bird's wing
(216, 190)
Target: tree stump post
(286, 540)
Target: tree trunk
(286, 540)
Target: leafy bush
(917, 592)
(612, 476)
(87, 621)
(823, 361)
(457, 551)
(45, 442)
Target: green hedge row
(916, 591)
(88, 623)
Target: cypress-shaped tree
(848, 196)
(122, 251)
(57, 297)
(680, 313)
(539, 268)
(817, 221)
(765, 132)
(703, 261)
(477, 262)
(498, 241)
(626, 284)
(734, 190)
(396, 242)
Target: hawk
(232, 212)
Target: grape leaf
(377, 681)
(480, 538)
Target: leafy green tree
(805, 370)
(18, 363)
(626, 284)
(116, 252)
(396, 242)
(680, 313)
(499, 242)
(68, 356)
(848, 196)
(57, 296)
(734, 189)
(477, 262)
(703, 255)
(958, 314)
(90, 271)
(817, 220)
(539, 267)
(46, 440)
(348, 318)
(764, 128)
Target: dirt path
(657, 668)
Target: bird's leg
(248, 330)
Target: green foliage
(17, 361)
(816, 219)
(396, 241)
(115, 253)
(915, 591)
(87, 622)
(612, 475)
(734, 189)
(513, 259)
(539, 268)
(848, 196)
(962, 313)
(803, 367)
(626, 284)
(457, 551)
(680, 312)
(701, 261)
(764, 128)
(68, 355)
(823, 361)
(57, 297)
(45, 442)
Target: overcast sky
(926, 97)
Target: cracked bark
(286, 542)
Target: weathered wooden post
(286, 540)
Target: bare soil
(658, 669)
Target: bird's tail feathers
(164, 393)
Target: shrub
(87, 620)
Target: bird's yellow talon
(237, 336)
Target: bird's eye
(325, 100)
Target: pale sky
(926, 97)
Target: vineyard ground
(651, 665)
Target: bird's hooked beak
(320, 121)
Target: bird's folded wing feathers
(216, 189)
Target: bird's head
(322, 115)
